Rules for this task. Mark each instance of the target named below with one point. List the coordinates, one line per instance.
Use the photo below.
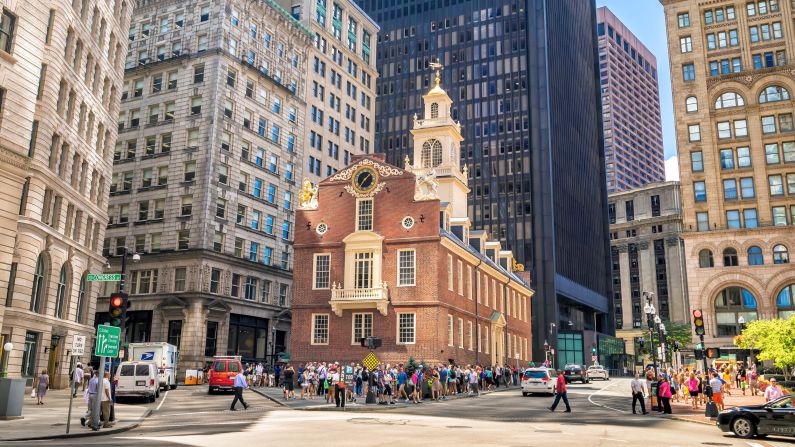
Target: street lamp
(7, 348)
(651, 318)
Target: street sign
(78, 345)
(370, 361)
(107, 344)
(104, 277)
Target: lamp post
(650, 317)
(7, 349)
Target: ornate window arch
(773, 93)
(435, 110)
(780, 254)
(729, 99)
(82, 301)
(730, 257)
(39, 281)
(785, 302)
(732, 303)
(705, 259)
(62, 290)
(755, 256)
(431, 153)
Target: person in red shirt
(560, 393)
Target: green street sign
(107, 344)
(104, 277)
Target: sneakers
(551, 409)
(83, 422)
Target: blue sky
(646, 20)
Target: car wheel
(743, 427)
(525, 394)
(157, 394)
(174, 386)
(210, 390)
(151, 398)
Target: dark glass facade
(524, 81)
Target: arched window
(780, 255)
(62, 291)
(705, 259)
(431, 154)
(435, 110)
(731, 304)
(774, 93)
(82, 293)
(755, 256)
(37, 291)
(785, 302)
(729, 99)
(691, 104)
(730, 257)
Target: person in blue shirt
(402, 378)
(443, 382)
(240, 384)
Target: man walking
(77, 379)
(638, 394)
(560, 393)
(105, 400)
(92, 396)
(240, 384)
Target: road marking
(613, 440)
(590, 396)
(161, 401)
(754, 444)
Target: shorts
(388, 390)
(288, 386)
(694, 393)
(305, 385)
(717, 398)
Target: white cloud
(672, 168)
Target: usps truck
(165, 356)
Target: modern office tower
(648, 260)
(61, 68)
(526, 86)
(631, 121)
(205, 168)
(341, 79)
(732, 92)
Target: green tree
(773, 339)
(411, 366)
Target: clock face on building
(365, 180)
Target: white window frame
(470, 335)
(460, 278)
(469, 280)
(314, 271)
(449, 330)
(449, 272)
(413, 267)
(312, 339)
(413, 328)
(461, 333)
(359, 216)
(365, 333)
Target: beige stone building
(61, 65)
(733, 89)
(205, 175)
(341, 76)
(647, 258)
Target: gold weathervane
(438, 67)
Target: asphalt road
(188, 416)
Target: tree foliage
(773, 339)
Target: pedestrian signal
(713, 353)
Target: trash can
(12, 396)
(653, 395)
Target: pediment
(384, 170)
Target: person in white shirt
(105, 400)
(638, 394)
(773, 391)
(77, 378)
(240, 384)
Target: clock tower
(437, 149)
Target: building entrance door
(53, 359)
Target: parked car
(597, 372)
(575, 372)
(773, 418)
(137, 379)
(539, 380)
(222, 373)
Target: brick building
(360, 235)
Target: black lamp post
(650, 317)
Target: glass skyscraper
(524, 80)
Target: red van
(222, 373)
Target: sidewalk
(319, 403)
(49, 420)
(684, 411)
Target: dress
(44, 382)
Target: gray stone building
(205, 171)
(61, 66)
(647, 255)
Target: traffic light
(118, 308)
(698, 321)
(699, 354)
(713, 353)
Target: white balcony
(372, 298)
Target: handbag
(33, 392)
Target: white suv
(597, 372)
(539, 380)
(137, 379)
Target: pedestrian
(105, 399)
(638, 394)
(474, 375)
(42, 384)
(773, 391)
(560, 393)
(287, 379)
(88, 374)
(716, 385)
(753, 381)
(402, 380)
(339, 390)
(665, 395)
(693, 385)
(77, 378)
(240, 384)
(90, 397)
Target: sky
(646, 20)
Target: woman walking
(665, 395)
(42, 383)
(693, 386)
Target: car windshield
(535, 374)
(219, 367)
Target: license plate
(140, 383)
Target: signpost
(103, 277)
(106, 345)
(78, 350)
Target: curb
(272, 399)
(110, 431)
